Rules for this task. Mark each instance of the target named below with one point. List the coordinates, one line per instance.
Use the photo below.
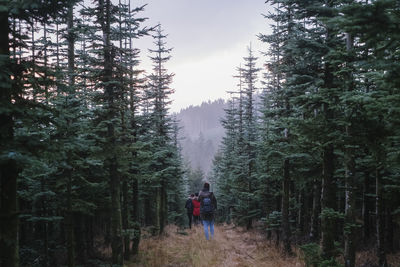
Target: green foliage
(274, 220)
(311, 254)
(328, 125)
(237, 172)
(331, 214)
(195, 180)
(85, 150)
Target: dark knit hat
(207, 186)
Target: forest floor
(232, 246)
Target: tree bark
(350, 210)
(350, 184)
(134, 171)
(125, 219)
(135, 215)
(328, 203)
(111, 161)
(285, 208)
(148, 214)
(316, 211)
(116, 225)
(158, 211)
(389, 231)
(366, 208)
(164, 207)
(71, 82)
(8, 168)
(380, 235)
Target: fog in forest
(201, 133)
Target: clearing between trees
(231, 246)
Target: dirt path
(230, 247)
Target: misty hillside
(201, 132)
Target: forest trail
(232, 246)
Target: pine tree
(224, 177)
(14, 103)
(237, 175)
(159, 93)
(249, 72)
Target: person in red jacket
(196, 209)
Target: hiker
(189, 209)
(196, 209)
(208, 205)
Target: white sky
(209, 40)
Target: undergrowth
(230, 247)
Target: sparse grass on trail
(230, 247)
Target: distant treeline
(201, 133)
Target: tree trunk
(8, 214)
(389, 231)
(71, 81)
(135, 216)
(116, 226)
(111, 161)
(136, 238)
(380, 235)
(350, 210)
(158, 211)
(8, 167)
(148, 214)
(125, 219)
(134, 171)
(135, 199)
(366, 208)
(328, 204)
(249, 220)
(300, 213)
(350, 183)
(285, 207)
(164, 207)
(42, 227)
(316, 211)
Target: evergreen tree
(225, 164)
(14, 103)
(159, 92)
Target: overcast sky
(209, 40)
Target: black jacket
(189, 206)
(204, 194)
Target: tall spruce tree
(15, 101)
(249, 72)
(159, 92)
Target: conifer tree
(237, 176)
(14, 103)
(249, 72)
(225, 176)
(159, 92)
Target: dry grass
(369, 259)
(230, 247)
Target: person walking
(208, 206)
(189, 209)
(196, 209)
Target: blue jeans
(207, 224)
